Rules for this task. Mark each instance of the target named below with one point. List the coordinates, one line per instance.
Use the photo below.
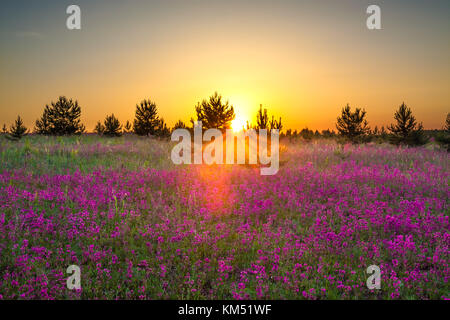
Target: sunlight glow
(238, 124)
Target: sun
(238, 124)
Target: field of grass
(140, 227)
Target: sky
(302, 60)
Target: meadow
(140, 227)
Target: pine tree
(179, 125)
(274, 124)
(4, 129)
(127, 128)
(214, 113)
(146, 118)
(99, 128)
(162, 130)
(375, 131)
(406, 130)
(447, 123)
(17, 130)
(61, 118)
(288, 133)
(42, 125)
(262, 119)
(352, 125)
(112, 125)
(306, 134)
(443, 137)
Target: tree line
(63, 117)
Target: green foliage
(146, 118)
(17, 130)
(61, 118)
(406, 130)
(112, 125)
(352, 125)
(214, 113)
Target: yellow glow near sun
(238, 123)
(242, 107)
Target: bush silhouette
(406, 130)
(61, 118)
(146, 118)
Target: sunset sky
(303, 60)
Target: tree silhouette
(17, 130)
(406, 130)
(443, 137)
(113, 128)
(262, 119)
(162, 129)
(42, 125)
(327, 133)
(99, 128)
(375, 131)
(4, 129)
(61, 118)
(127, 128)
(447, 123)
(214, 113)
(146, 118)
(274, 124)
(352, 124)
(306, 134)
(179, 125)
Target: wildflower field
(140, 227)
